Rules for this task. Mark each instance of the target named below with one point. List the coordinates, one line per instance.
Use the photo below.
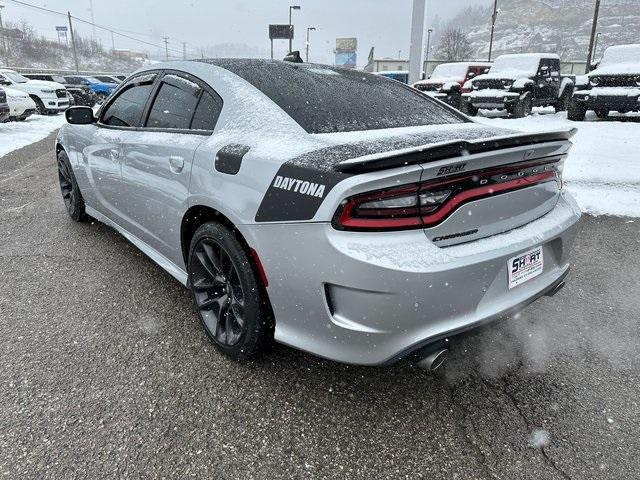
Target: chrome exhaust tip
(434, 360)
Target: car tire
(523, 107)
(602, 113)
(563, 102)
(231, 301)
(101, 97)
(469, 109)
(73, 200)
(576, 111)
(40, 109)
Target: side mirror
(80, 115)
(471, 74)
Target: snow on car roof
(325, 99)
(519, 64)
(619, 59)
(454, 71)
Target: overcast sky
(384, 24)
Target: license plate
(525, 267)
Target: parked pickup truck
(49, 97)
(82, 94)
(517, 83)
(613, 86)
(447, 79)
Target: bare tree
(454, 45)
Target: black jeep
(517, 83)
(613, 86)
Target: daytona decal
(295, 193)
(299, 186)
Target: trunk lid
(492, 181)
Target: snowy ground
(14, 135)
(603, 168)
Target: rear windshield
(325, 100)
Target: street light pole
(307, 53)
(426, 60)
(595, 45)
(291, 7)
(594, 26)
(493, 25)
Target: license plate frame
(525, 266)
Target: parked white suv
(21, 106)
(49, 97)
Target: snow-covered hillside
(560, 26)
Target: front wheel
(231, 303)
(469, 109)
(523, 107)
(71, 195)
(101, 97)
(602, 113)
(563, 102)
(576, 111)
(40, 108)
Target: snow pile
(15, 135)
(602, 170)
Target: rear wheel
(101, 97)
(231, 304)
(602, 112)
(523, 107)
(576, 111)
(71, 195)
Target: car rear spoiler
(439, 151)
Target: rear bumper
(624, 99)
(370, 298)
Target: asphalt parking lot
(105, 372)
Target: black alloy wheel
(218, 293)
(231, 303)
(71, 195)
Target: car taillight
(421, 205)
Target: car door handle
(115, 154)
(176, 163)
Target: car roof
(538, 56)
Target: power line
(113, 31)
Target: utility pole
(184, 50)
(307, 54)
(426, 60)
(416, 54)
(594, 27)
(595, 45)
(292, 7)
(166, 48)
(4, 38)
(73, 44)
(113, 42)
(493, 26)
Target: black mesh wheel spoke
(218, 292)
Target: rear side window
(174, 105)
(325, 99)
(207, 112)
(126, 109)
(183, 104)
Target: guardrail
(54, 71)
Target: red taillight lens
(427, 204)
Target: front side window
(126, 109)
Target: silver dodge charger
(335, 211)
